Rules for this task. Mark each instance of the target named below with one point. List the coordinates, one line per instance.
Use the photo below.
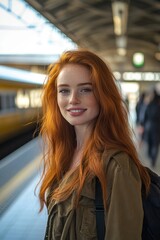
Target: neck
(82, 135)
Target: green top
(124, 214)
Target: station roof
(27, 38)
(90, 24)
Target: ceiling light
(120, 16)
(121, 51)
(121, 42)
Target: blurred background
(33, 33)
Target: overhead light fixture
(120, 16)
(121, 51)
(121, 43)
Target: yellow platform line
(7, 190)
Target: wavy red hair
(111, 130)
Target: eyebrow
(80, 84)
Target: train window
(28, 98)
(12, 101)
(7, 101)
(3, 102)
(21, 99)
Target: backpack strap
(100, 222)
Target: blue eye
(86, 90)
(64, 91)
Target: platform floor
(21, 221)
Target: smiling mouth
(76, 110)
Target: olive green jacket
(124, 214)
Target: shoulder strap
(100, 222)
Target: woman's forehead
(74, 72)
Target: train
(20, 101)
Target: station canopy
(24, 30)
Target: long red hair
(111, 130)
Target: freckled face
(75, 97)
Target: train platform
(21, 220)
(19, 206)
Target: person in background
(87, 136)
(139, 107)
(140, 115)
(151, 126)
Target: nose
(74, 98)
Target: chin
(76, 123)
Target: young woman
(87, 135)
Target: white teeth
(76, 111)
